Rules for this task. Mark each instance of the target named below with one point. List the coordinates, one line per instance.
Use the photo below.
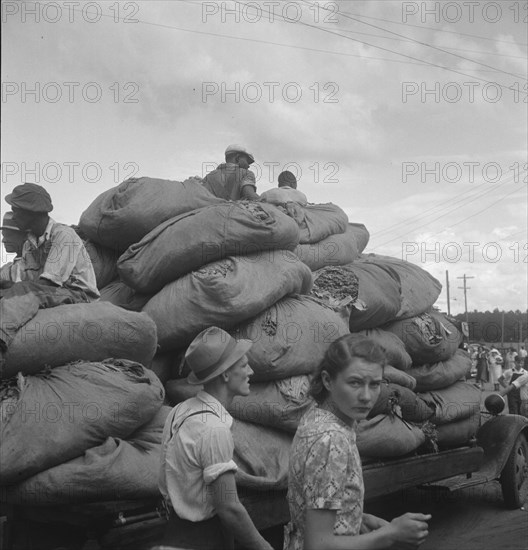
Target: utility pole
(465, 288)
(447, 289)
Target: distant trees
(486, 326)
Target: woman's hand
(410, 528)
(371, 523)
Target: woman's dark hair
(339, 356)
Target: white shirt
(199, 451)
(520, 383)
(59, 256)
(284, 194)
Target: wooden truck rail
(500, 452)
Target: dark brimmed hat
(30, 196)
(211, 353)
(9, 224)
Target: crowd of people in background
(510, 371)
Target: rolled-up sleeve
(521, 381)
(216, 453)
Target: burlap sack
(189, 241)
(224, 294)
(52, 417)
(90, 332)
(124, 214)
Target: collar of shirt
(325, 415)
(39, 241)
(216, 406)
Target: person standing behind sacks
(325, 482)
(55, 268)
(233, 180)
(197, 471)
(517, 397)
(523, 354)
(509, 358)
(495, 363)
(482, 366)
(13, 239)
(286, 192)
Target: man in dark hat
(286, 192)
(233, 180)
(197, 471)
(13, 240)
(55, 268)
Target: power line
(425, 212)
(389, 50)
(445, 47)
(258, 41)
(523, 231)
(467, 200)
(268, 42)
(420, 42)
(487, 207)
(452, 210)
(426, 27)
(480, 212)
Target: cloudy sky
(411, 116)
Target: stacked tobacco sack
(170, 260)
(236, 265)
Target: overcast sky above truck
(411, 116)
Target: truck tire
(514, 476)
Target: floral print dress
(324, 473)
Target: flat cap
(30, 196)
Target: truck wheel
(514, 476)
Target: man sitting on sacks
(286, 192)
(232, 180)
(13, 239)
(197, 471)
(54, 269)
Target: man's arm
(248, 187)
(233, 514)
(248, 192)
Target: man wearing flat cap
(13, 239)
(197, 471)
(286, 192)
(233, 180)
(55, 268)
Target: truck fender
(497, 437)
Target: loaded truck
(498, 452)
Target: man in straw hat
(12, 239)
(233, 180)
(55, 268)
(197, 471)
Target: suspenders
(205, 411)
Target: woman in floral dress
(325, 493)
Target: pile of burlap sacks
(86, 388)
